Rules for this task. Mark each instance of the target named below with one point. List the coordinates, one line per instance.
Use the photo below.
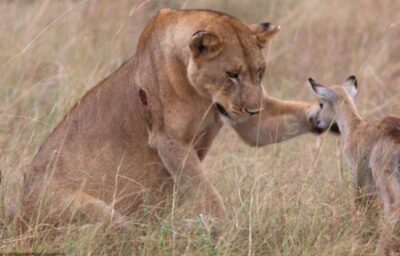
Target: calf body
(371, 148)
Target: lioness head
(227, 65)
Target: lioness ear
(206, 44)
(351, 86)
(322, 91)
(264, 32)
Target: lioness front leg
(185, 168)
(278, 121)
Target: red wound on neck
(143, 97)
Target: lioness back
(102, 137)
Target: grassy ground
(288, 199)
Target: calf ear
(322, 91)
(264, 32)
(207, 44)
(351, 86)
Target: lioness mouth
(222, 110)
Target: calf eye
(321, 105)
(260, 73)
(232, 74)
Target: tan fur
(112, 154)
(372, 149)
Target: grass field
(292, 198)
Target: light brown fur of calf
(371, 147)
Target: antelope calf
(371, 148)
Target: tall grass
(293, 198)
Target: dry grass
(288, 199)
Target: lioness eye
(232, 74)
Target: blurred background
(292, 198)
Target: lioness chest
(194, 124)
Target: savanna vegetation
(292, 198)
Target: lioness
(148, 126)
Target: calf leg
(388, 184)
(365, 188)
